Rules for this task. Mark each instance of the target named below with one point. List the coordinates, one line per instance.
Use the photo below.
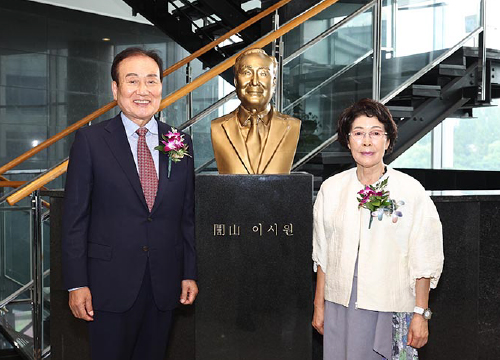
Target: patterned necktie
(147, 172)
(253, 143)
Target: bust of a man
(255, 138)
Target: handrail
(36, 183)
(11, 184)
(43, 145)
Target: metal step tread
(216, 28)
(473, 52)
(197, 10)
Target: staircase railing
(302, 49)
(87, 119)
(61, 168)
(392, 94)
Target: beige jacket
(391, 255)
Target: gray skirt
(357, 334)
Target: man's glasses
(374, 135)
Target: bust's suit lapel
(278, 129)
(163, 179)
(120, 147)
(233, 134)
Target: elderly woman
(377, 248)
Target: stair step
(452, 70)
(492, 54)
(401, 111)
(253, 12)
(214, 29)
(426, 90)
(234, 48)
(197, 10)
(336, 157)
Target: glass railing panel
(15, 271)
(320, 110)
(16, 321)
(16, 248)
(331, 55)
(200, 131)
(415, 33)
(327, 78)
(46, 279)
(319, 23)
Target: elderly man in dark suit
(128, 238)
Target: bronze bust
(255, 138)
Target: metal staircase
(445, 89)
(195, 23)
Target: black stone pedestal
(254, 239)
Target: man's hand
(418, 333)
(80, 303)
(189, 292)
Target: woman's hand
(318, 321)
(319, 302)
(418, 333)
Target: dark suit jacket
(108, 232)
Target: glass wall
(318, 84)
(416, 32)
(467, 143)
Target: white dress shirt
(151, 139)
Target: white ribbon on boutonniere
(174, 147)
(376, 199)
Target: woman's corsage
(376, 199)
(173, 145)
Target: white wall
(113, 8)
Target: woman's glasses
(359, 135)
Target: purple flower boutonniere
(376, 199)
(173, 146)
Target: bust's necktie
(147, 172)
(253, 143)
